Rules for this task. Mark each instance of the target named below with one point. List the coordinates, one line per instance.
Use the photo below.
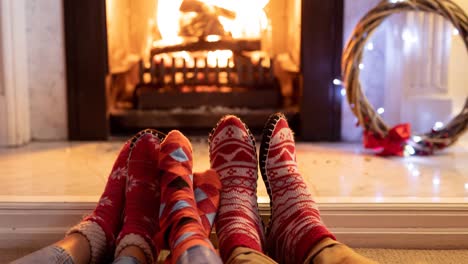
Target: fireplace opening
(177, 64)
(185, 63)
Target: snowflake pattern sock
(233, 156)
(102, 225)
(207, 188)
(296, 226)
(140, 222)
(181, 225)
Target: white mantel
(32, 72)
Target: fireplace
(188, 63)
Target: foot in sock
(207, 187)
(181, 225)
(233, 156)
(140, 220)
(295, 226)
(102, 226)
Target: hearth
(184, 64)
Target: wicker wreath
(376, 133)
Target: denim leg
(126, 260)
(199, 255)
(51, 254)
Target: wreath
(398, 141)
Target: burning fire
(247, 21)
(210, 20)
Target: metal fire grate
(174, 72)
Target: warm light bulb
(438, 125)
(343, 92)
(407, 36)
(455, 32)
(337, 82)
(409, 150)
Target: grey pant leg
(126, 260)
(50, 254)
(199, 255)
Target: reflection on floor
(76, 171)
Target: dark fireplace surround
(87, 69)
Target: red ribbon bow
(393, 144)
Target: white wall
(47, 73)
(14, 97)
(32, 72)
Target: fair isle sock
(295, 226)
(181, 226)
(233, 156)
(102, 225)
(206, 186)
(140, 222)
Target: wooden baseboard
(413, 226)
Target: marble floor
(77, 171)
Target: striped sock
(181, 226)
(233, 156)
(295, 222)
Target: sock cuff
(135, 240)
(95, 236)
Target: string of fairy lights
(409, 37)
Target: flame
(220, 57)
(249, 22)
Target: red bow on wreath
(391, 145)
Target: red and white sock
(181, 225)
(233, 156)
(140, 222)
(296, 226)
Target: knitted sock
(181, 226)
(206, 187)
(295, 222)
(102, 225)
(233, 156)
(142, 196)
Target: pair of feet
(152, 200)
(295, 226)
